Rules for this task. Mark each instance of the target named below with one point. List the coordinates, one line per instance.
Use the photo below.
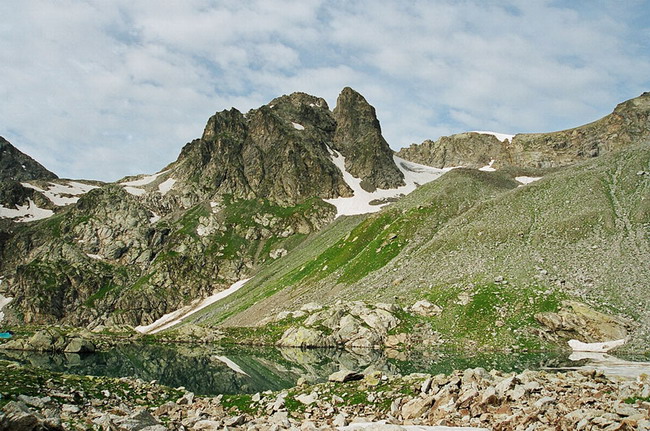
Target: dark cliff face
(280, 151)
(627, 125)
(358, 138)
(17, 166)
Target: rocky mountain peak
(358, 137)
(276, 152)
(281, 151)
(18, 166)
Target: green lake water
(209, 370)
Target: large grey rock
(577, 320)
(303, 337)
(343, 376)
(80, 345)
(47, 340)
(137, 422)
(425, 308)
(16, 416)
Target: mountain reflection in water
(208, 370)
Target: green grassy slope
(354, 247)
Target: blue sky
(104, 89)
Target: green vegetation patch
(492, 314)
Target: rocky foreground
(35, 399)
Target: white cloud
(105, 89)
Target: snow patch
(488, 167)
(95, 256)
(147, 179)
(154, 218)
(231, 364)
(414, 176)
(27, 212)
(134, 191)
(166, 186)
(298, 126)
(527, 180)
(3, 302)
(606, 346)
(175, 317)
(63, 194)
(500, 136)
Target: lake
(210, 370)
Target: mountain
(250, 189)
(628, 124)
(18, 166)
(312, 204)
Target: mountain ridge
(629, 122)
(256, 190)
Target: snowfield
(145, 180)
(175, 317)
(27, 212)
(63, 194)
(414, 176)
(133, 187)
(166, 186)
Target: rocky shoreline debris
(476, 398)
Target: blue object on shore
(5, 334)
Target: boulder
(343, 376)
(416, 407)
(577, 320)
(16, 416)
(425, 308)
(303, 337)
(138, 421)
(79, 345)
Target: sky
(101, 89)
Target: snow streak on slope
(147, 179)
(527, 180)
(500, 136)
(134, 187)
(166, 186)
(367, 202)
(175, 317)
(63, 194)
(27, 212)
